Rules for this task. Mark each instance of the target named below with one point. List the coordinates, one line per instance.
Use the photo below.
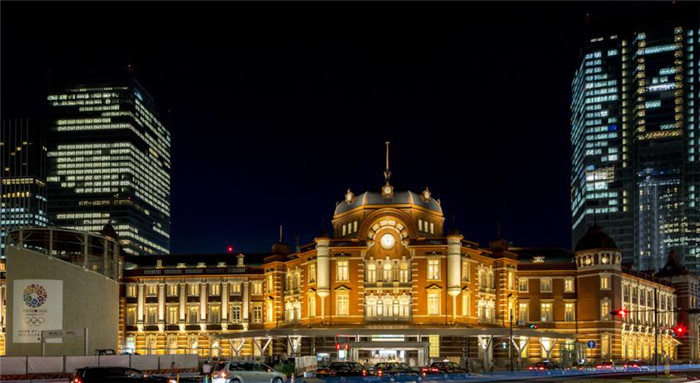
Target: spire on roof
(387, 173)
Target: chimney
(240, 260)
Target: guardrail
(27, 365)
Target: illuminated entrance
(389, 348)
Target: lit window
(342, 304)
(341, 271)
(434, 269)
(131, 290)
(131, 315)
(236, 313)
(172, 290)
(605, 309)
(433, 304)
(214, 314)
(546, 312)
(257, 288)
(466, 303)
(269, 311)
(235, 288)
(257, 312)
(312, 273)
(605, 282)
(465, 270)
(193, 289)
(511, 280)
(151, 314)
(312, 305)
(522, 285)
(172, 314)
(192, 314)
(523, 312)
(568, 285)
(404, 272)
(151, 290)
(569, 314)
(371, 272)
(215, 289)
(546, 285)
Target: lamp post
(510, 346)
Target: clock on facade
(387, 241)
(387, 189)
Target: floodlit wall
(87, 300)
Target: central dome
(369, 198)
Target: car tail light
(379, 373)
(424, 369)
(364, 372)
(598, 366)
(530, 368)
(77, 380)
(541, 368)
(433, 369)
(635, 365)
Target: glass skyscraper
(109, 161)
(635, 142)
(22, 176)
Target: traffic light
(533, 326)
(621, 313)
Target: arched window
(288, 312)
(404, 272)
(151, 344)
(380, 308)
(371, 306)
(193, 344)
(297, 310)
(387, 307)
(395, 308)
(405, 301)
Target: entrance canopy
(498, 332)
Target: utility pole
(656, 332)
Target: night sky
(276, 109)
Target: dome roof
(595, 238)
(399, 197)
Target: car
(113, 375)
(341, 369)
(245, 372)
(635, 365)
(608, 366)
(443, 368)
(396, 372)
(544, 366)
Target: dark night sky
(276, 109)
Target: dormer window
(201, 264)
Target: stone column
(245, 290)
(141, 294)
(454, 269)
(323, 271)
(224, 305)
(203, 305)
(183, 306)
(161, 307)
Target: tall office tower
(109, 160)
(23, 180)
(635, 140)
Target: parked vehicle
(246, 372)
(609, 366)
(341, 369)
(443, 368)
(636, 365)
(544, 366)
(113, 375)
(396, 372)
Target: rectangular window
(434, 269)
(432, 228)
(466, 303)
(214, 314)
(545, 285)
(372, 272)
(342, 304)
(193, 289)
(192, 314)
(511, 280)
(151, 290)
(404, 273)
(172, 314)
(568, 285)
(341, 271)
(605, 282)
(434, 349)
(465, 270)
(235, 288)
(215, 289)
(605, 310)
(434, 304)
(523, 313)
(312, 273)
(569, 313)
(546, 312)
(236, 313)
(523, 285)
(257, 312)
(131, 315)
(151, 314)
(605, 345)
(172, 290)
(270, 283)
(257, 288)
(312, 306)
(131, 290)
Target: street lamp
(510, 347)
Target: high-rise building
(109, 160)
(635, 139)
(23, 177)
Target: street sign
(46, 334)
(591, 344)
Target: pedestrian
(206, 371)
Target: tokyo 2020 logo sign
(34, 295)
